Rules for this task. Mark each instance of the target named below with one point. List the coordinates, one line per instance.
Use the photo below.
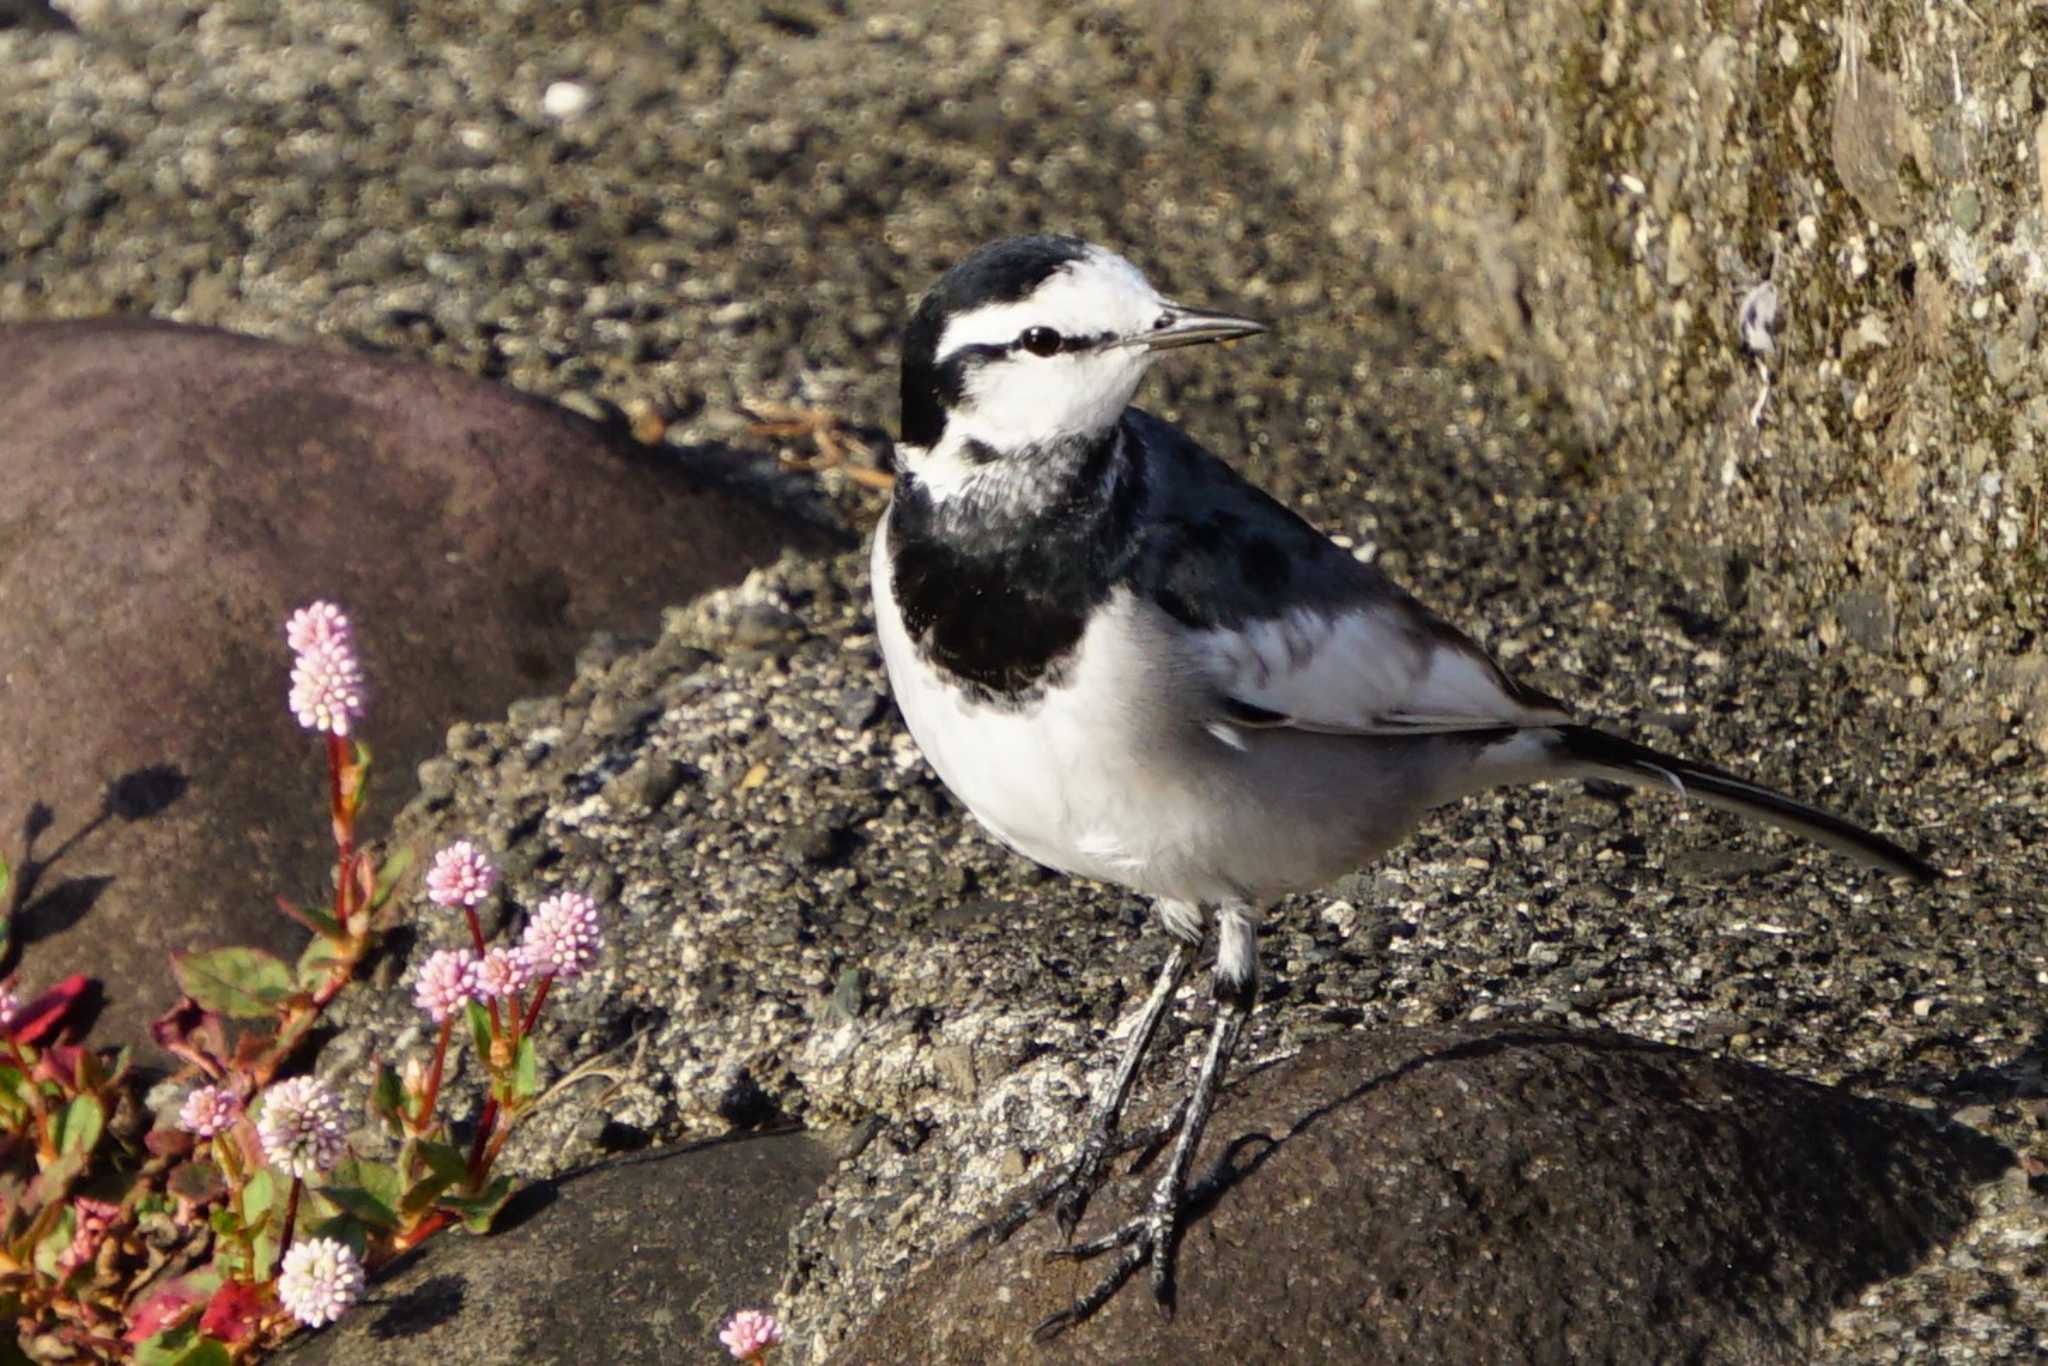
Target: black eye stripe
(1068, 345)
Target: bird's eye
(1040, 341)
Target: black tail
(1609, 756)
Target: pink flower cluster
(318, 1280)
(447, 980)
(327, 678)
(452, 977)
(304, 1128)
(564, 937)
(209, 1110)
(92, 1219)
(750, 1333)
(461, 877)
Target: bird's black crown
(998, 273)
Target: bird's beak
(1179, 326)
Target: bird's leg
(1069, 1191)
(1154, 1235)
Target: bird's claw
(1148, 1239)
(1068, 1194)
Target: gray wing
(1290, 629)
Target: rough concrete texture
(1439, 1196)
(734, 202)
(1786, 267)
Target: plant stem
(485, 1127)
(433, 1091)
(344, 833)
(476, 935)
(533, 1011)
(291, 1216)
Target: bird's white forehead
(1100, 292)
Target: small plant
(244, 1216)
(750, 1334)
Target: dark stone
(34, 16)
(180, 491)
(640, 1259)
(1489, 1194)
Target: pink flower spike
(749, 1333)
(318, 623)
(461, 876)
(503, 971)
(91, 1219)
(209, 1110)
(327, 687)
(447, 979)
(10, 1007)
(564, 938)
(319, 1280)
(303, 1128)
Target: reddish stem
(484, 1128)
(433, 1091)
(291, 1217)
(344, 832)
(476, 934)
(539, 998)
(426, 1229)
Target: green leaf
(244, 983)
(525, 1075)
(388, 874)
(79, 1125)
(55, 1242)
(479, 1030)
(181, 1346)
(344, 1228)
(362, 1206)
(317, 958)
(443, 1159)
(258, 1195)
(16, 1092)
(432, 1168)
(368, 1190)
(477, 1211)
(387, 1097)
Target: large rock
(178, 492)
(1489, 1194)
(639, 1259)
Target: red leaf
(192, 1032)
(165, 1309)
(45, 1015)
(59, 1063)
(233, 1313)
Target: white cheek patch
(1022, 399)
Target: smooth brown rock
(175, 493)
(1490, 1194)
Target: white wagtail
(1133, 665)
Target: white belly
(1059, 778)
(1111, 774)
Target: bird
(1133, 665)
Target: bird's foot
(1069, 1192)
(1149, 1239)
